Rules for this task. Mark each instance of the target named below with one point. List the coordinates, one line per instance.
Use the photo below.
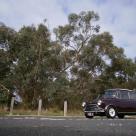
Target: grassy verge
(49, 112)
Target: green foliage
(79, 65)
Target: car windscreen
(109, 94)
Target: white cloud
(17, 13)
(116, 16)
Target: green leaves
(81, 63)
(95, 57)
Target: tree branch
(4, 87)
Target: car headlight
(83, 104)
(99, 102)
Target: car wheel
(121, 116)
(111, 112)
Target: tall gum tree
(90, 57)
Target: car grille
(92, 107)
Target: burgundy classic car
(112, 103)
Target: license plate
(90, 114)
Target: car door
(132, 95)
(124, 103)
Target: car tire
(111, 112)
(121, 116)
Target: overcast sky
(116, 16)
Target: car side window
(132, 95)
(124, 95)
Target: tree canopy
(78, 65)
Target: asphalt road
(42, 126)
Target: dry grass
(3, 111)
(48, 112)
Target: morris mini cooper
(112, 103)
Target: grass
(75, 113)
(48, 112)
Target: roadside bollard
(65, 108)
(39, 107)
(12, 106)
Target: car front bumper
(93, 108)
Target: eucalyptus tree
(7, 35)
(75, 37)
(91, 59)
(35, 64)
(82, 49)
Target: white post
(39, 107)
(65, 108)
(12, 105)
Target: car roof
(119, 89)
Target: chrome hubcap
(112, 112)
